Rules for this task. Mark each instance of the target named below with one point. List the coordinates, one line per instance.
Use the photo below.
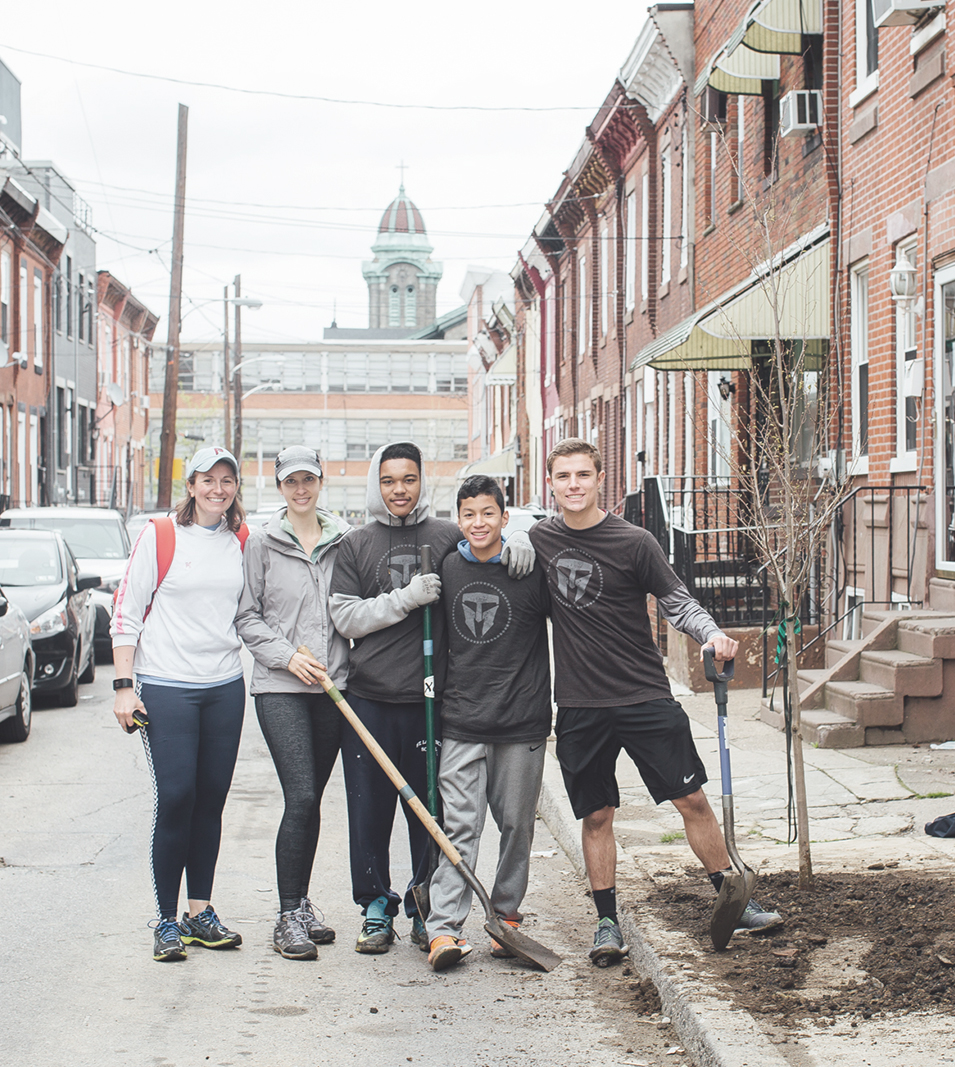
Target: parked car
(135, 523)
(39, 574)
(523, 518)
(100, 542)
(261, 517)
(16, 673)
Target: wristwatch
(123, 683)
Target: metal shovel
(522, 946)
(737, 887)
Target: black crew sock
(717, 878)
(605, 901)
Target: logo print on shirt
(576, 579)
(481, 613)
(397, 567)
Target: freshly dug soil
(880, 941)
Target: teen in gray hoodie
(377, 595)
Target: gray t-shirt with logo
(599, 579)
(498, 683)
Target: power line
(295, 96)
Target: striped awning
(501, 464)
(778, 26)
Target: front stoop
(894, 686)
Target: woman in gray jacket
(288, 569)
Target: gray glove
(518, 555)
(422, 589)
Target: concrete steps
(889, 687)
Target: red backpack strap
(165, 550)
(243, 535)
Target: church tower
(402, 279)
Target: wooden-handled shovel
(737, 887)
(522, 946)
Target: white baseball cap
(206, 458)
(297, 458)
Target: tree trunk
(799, 770)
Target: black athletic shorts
(656, 736)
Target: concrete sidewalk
(866, 806)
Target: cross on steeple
(402, 166)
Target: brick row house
(763, 170)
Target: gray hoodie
(370, 605)
(284, 604)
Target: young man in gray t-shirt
(611, 688)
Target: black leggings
(303, 732)
(191, 744)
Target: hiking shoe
(755, 919)
(315, 923)
(291, 939)
(167, 941)
(378, 930)
(608, 944)
(446, 951)
(205, 929)
(502, 952)
(419, 935)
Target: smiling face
(575, 482)
(213, 491)
(481, 522)
(301, 490)
(400, 483)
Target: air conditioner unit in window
(901, 12)
(800, 111)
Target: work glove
(422, 589)
(518, 555)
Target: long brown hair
(186, 508)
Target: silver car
(16, 673)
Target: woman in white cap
(174, 628)
(288, 569)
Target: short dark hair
(574, 446)
(480, 485)
(402, 450)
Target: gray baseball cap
(206, 458)
(297, 458)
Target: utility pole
(167, 438)
(226, 394)
(237, 385)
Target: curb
(716, 1034)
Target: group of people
(316, 600)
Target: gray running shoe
(608, 944)
(206, 929)
(756, 919)
(167, 941)
(315, 923)
(291, 939)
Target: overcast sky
(289, 193)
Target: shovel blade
(422, 899)
(735, 893)
(524, 947)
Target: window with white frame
(718, 415)
(907, 392)
(549, 307)
(685, 199)
(666, 215)
(859, 312)
(867, 52)
(630, 260)
(644, 242)
(24, 311)
(740, 151)
(945, 418)
(582, 305)
(5, 286)
(37, 318)
(649, 422)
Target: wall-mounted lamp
(726, 388)
(902, 281)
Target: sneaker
(167, 941)
(608, 944)
(502, 952)
(446, 951)
(205, 929)
(755, 919)
(378, 930)
(315, 923)
(419, 935)
(291, 939)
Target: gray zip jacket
(284, 604)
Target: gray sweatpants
(473, 778)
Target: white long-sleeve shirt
(189, 634)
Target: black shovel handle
(718, 678)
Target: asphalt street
(80, 986)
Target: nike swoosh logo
(534, 748)
(690, 779)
